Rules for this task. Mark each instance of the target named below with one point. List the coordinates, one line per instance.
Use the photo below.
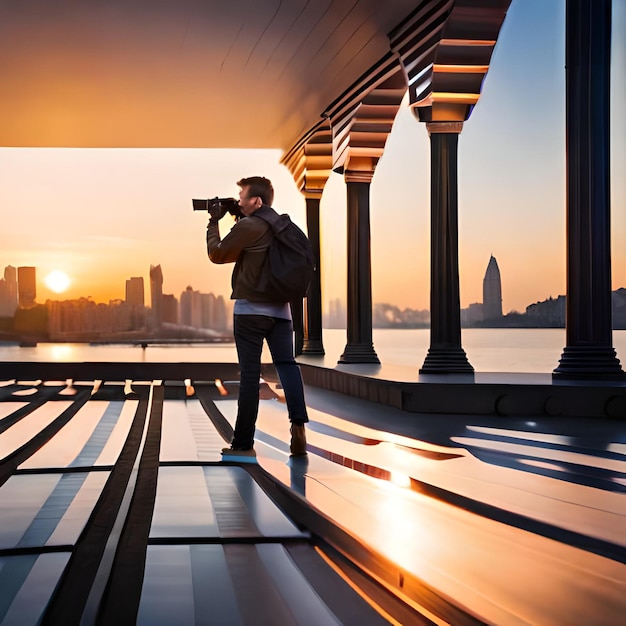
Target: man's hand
(217, 209)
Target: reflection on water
(530, 350)
(62, 351)
(81, 352)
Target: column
(589, 353)
(313, 319)
(445, 355)
(360, 348)
(297, 313)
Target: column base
(313, 347)
(446, 361)
(588, 363)
(359, 353)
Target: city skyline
(24, 291)
(196, 316)
(102, 215)
(169, 318)
(491, 293)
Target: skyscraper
(208, 310)
(186, 304)
(8, 292)
(170, 308)
(156, 294)
(221, 314)
(26, 286)
(492, 291)
(134, 291)
(191, 308)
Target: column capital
(311, 194)
(444, 127)
(358, 176)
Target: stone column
(359, 348)
(445, 355)
(313, 320)
(589, 353)
(297, 317)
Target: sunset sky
(104, 215)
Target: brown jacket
(245, 245)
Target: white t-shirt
(281, 310)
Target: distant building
(221, 314)
(386, 315)
(83, 318)
(473, 314)
(337, 315)
(191, 308)
(8, 292)
(492, 291)
(618, 298)
(208, 310)
(26, 287)
(549, 313)
(134, 291)
(156, 295)
(170, 308)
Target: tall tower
(134, 291)
(492, 291)
(8, 292)
(191, 308)
(26, 286)
(156, 294)
(208, 310)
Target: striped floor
(115, 508)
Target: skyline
(61, 294)
(82, 319)
(104, 215)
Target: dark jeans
(250, 331)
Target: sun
(57, 281)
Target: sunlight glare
(400, 479)
(57, 281)
(61, 352)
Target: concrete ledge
(513, 395)
(386, 392)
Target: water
(526, 350)
(121, 353)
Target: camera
(218, 207)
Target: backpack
(289, 263)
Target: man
(256, 320)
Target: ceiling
(182, 73)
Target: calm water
(488, 349)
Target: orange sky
(103, 216)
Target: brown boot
(298, 440)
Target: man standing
(257, 319)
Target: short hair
(259, 186)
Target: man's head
(255, 191)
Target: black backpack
(289, 263)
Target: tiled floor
(507, 522)
(127, 493)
